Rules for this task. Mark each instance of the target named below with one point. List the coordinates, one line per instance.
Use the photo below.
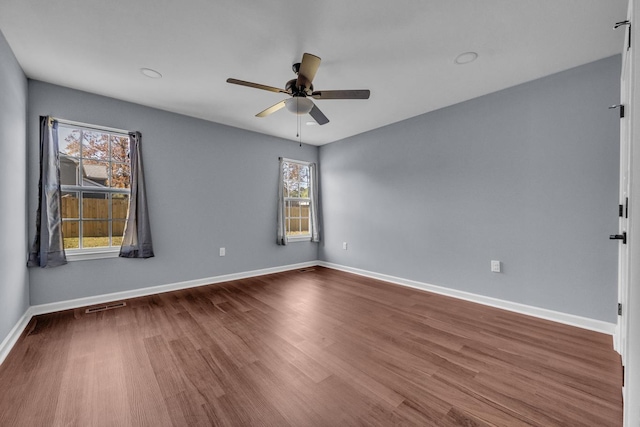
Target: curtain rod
(301, 162)
(90, 126)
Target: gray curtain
(282, 233)
(315, 229)
(48, 246)
(136, 242)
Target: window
(298, 201)
(95, 184)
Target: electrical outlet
(495, 266)
(344, 245)
(223, 251)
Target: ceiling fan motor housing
(297, 91)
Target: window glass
(120, 175)
(69, 141)
(95, 181)
(95, 145)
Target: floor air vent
(105, 307)
(304, 270)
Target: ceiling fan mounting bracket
(296, 68)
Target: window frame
(306, 237)
(81, 253)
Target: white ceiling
(402, 50)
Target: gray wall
(209, 186)
(14, 277)
(527, 176)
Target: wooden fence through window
(95, 214)
(297, 219)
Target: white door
(625, 170)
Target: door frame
(631, 390)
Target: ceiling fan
(301, 89)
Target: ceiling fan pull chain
(300, 130)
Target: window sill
(294, 239)
(84, 255)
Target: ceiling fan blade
(341, 94)
(308, 69)
(272, 109)
(256, 85)
(318, 116)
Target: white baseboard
(11, 339)
(555, 316)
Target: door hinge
(626, 207)
(623, 210)
(622, 375)
(620, 24)
(619, 309)
(621, 107)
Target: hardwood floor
(315, 348)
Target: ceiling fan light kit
(298, 105)
(301, 89)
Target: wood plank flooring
(314, 348)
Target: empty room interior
(319, 213)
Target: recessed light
(466, 57)
(153, 74)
